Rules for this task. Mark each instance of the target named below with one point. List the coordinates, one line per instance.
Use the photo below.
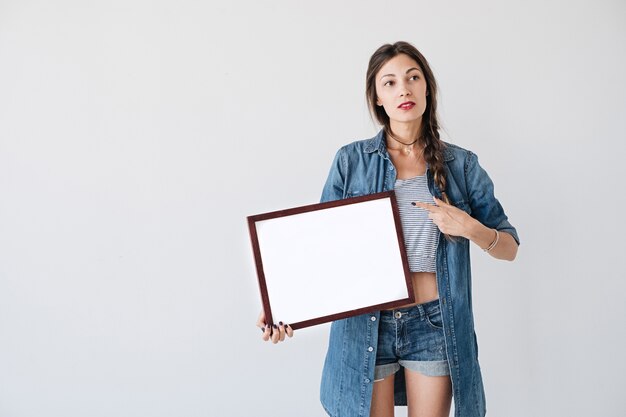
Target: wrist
(485, 237)
(494, 242)
(473, 229)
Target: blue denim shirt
(364, 167)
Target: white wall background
(136, 136)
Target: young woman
(425, 354)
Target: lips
(406, 105)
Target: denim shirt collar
(377, 143)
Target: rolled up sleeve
(484, 205)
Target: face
(401, 89)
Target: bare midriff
(424, 287)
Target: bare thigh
(382, 398)
(428, 396)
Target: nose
(404, 91)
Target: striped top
(420, 233)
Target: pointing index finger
(425, 206)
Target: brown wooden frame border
(322, 206)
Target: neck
(406, 132)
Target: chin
(407, 118)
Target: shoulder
(458, 158)
(456, 151)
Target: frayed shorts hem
(428, 368)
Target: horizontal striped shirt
(420, 233)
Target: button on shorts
(412, 338)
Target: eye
(388, 83)
(416, 77)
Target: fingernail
(280, 323)
(262, 329)
(275, 326)
(413, 203)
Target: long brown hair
(433, 146)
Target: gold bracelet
(494, 243)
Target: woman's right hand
(274, 333)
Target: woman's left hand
(448, 218)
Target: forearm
(483, 236)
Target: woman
(423, 354)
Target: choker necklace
(407, 146)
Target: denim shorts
(413, 338)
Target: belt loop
(422, 312)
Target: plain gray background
(136, 136)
